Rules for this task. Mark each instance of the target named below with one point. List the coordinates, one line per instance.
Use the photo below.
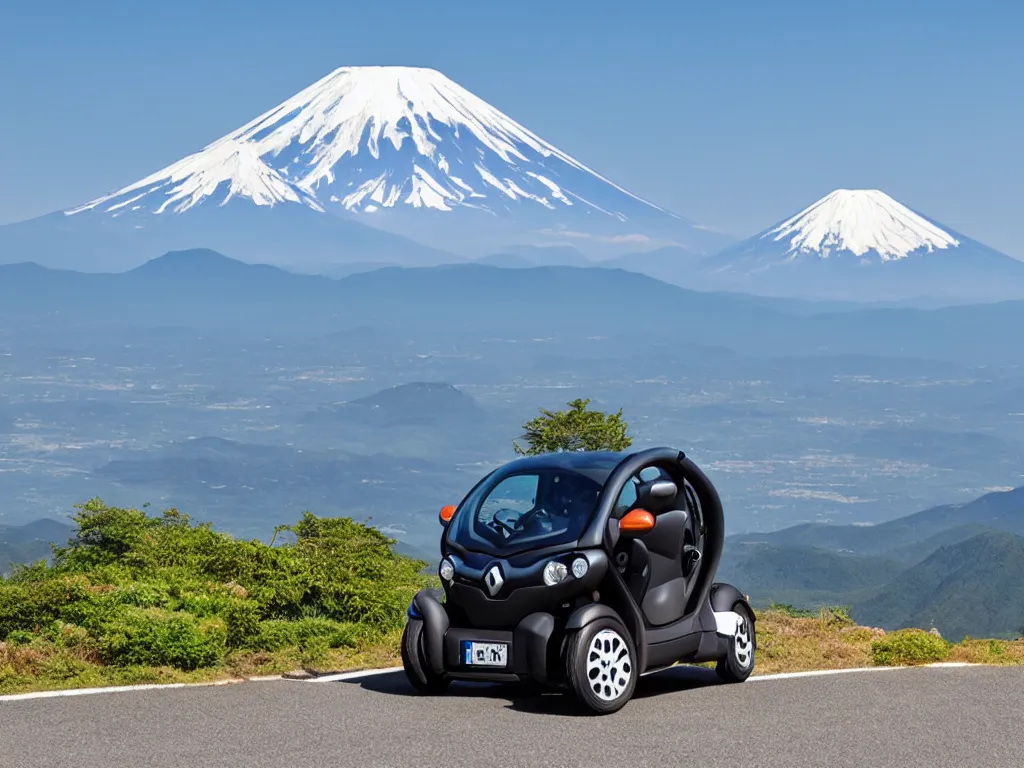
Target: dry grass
(1000, 652)
(788, 643)
(41, 667)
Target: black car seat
(665, 589)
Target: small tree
(575, 429)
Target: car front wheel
(422, 677)
(601, 666)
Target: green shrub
(996, 647)
(154, 637)
(141, 594)
(33, 605)
(63, 667)
(242, 624)
(20, 637)
(314, 649)
(138, 591)
(67, 636)
(908, 647)
(275, 634)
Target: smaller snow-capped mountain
(375, 163)
(862, 245)
(862, 223)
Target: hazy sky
(736, 114)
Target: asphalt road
(938, 717)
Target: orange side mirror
(446, 514)
(636, 521)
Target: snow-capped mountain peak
(860, 221)
(364, 138)
(861, 245)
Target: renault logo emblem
(494, 580)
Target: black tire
(739, 661)
(420, 675)
(602, 685)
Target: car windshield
(527, 510)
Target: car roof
(597, 465)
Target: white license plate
(485, 654)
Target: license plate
(485, 654)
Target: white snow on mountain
(184, 184)
(364, 138)
(859, 221)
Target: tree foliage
(574, 429)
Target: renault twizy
(580, 571)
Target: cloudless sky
(733, 113)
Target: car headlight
(580, 566)
(447, 570)
(554, 572)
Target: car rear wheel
(739, 661)
(422, 677)
(601, 666)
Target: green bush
(242, 621)
(135, 590)
(20, 637)
(33, 605)
(157, 638)
(909, 646)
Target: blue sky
(735, 114)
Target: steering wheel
(520, 524)
(495, 520)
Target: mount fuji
(851, 245)
(368, 164)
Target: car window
(527, 510)
(628, 496)
(517, 494)
(653, 473)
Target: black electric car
(581, 571)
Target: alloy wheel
(743, 645)
(609, 668)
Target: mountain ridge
(954, 566)
(568, 301)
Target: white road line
(820, 673)
(121, 689)
(340, 676)
(351, 675)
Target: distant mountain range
(956, 566)
(204, 289)
(30, 542)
